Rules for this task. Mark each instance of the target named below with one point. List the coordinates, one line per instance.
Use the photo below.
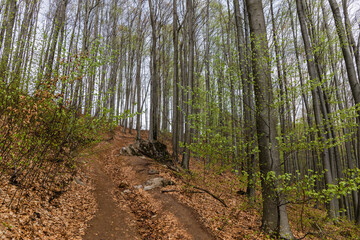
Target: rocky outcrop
(155, 150)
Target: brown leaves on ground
(237, 221)
(142, 204)
(64, 217)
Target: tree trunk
(138, 72)
(274, 218)
(58, 24)
(207, 75)
(190, 29)
(314, 76)
(350, 68)
(153, 132)
(247, 104)
(11, 15)
(175, 117)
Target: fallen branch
(175, 169)
(170, 190)
(202, 189)
(174, 190)
(208, 192)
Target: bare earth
(125, 212)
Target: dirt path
(111, 220)
(125, 212)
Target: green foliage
(41, 131)
(300, 189)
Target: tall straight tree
(247, 104)
(350, 68)
(207, 73)
(314, 76)
(10, 21)
(138, 72)
(190, 80)
(153, 132)
(59, 22)
(23, 40)
(274, 218)
(175, 117)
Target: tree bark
(274, 218)
(153, 132)
(190, 79)
(247, 104)
(175, 117)
(314, 75)
(350, 68)
(138, 72)
(11, 14)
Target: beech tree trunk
(10, 21)
(350, 68)
(153, 132)
(274, 220)
(190, 81)
(138, 72)
(247, 104)
(314, 75)
(175, 117)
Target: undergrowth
(39, 134)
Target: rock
(147, 188)
(127, 191)
(155, 150)
(138, 186)
(153, 172)
(125, 151)
(154, 183)
(158, 182)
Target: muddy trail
(125, 211)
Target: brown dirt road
(127, 213)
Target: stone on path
(155, 150)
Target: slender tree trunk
(138, 72)
(350, 37)
(232, 88)
(153, 133)
(281, 83)
(175, 117)
(274, 209)
(190, 29)
(11, 15)
(59, 22)
(247, 104)
(350, 68)
(22, 40)
(314, 75)
(207, 75)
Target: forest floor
(126, 211)
(106, 201)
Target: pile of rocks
(155, 150)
